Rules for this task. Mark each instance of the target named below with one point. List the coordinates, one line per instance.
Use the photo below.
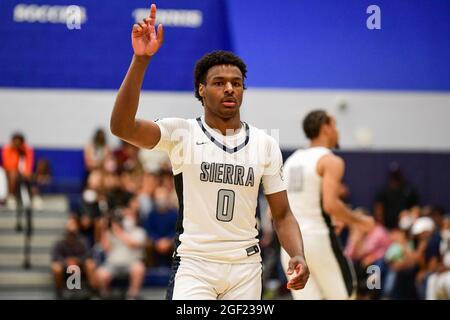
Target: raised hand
(145, 40)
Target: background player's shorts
(196, 279)
(331, 275)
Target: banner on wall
(327, 44)
(87, 44)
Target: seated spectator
(122, 241)
(167, 181)
(43, 173)
(160, 227)
(96, 151)
(18, 161)
(437, 214)
(154, 161)
(438, 283)
(71, 250)
(366, 249)
(116, 196)
(428, 240)
(407, 219)
(445, 241)
(131, 181)
(40, 182)
(150, 182)
(90, 210)
(402, 267)
(127, 157)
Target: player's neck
(319, 142)
(225, 126)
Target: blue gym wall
(290, 44)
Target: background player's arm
(123, 124)
(332, 168)
(290, 237)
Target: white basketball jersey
(305, 189)
(217, 179)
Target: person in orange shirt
(18, 158)
(18, 161)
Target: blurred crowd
(407, 254)
(123, 226)
(124, 223)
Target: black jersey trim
(220, 145)
(344, 265)
(178, 179)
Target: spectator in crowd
(437, 214)
(366, 249)
(154, 161)
(438, 284)
(96, 151)
(150, 182)
(445, 241)
(396, 196)
(168, 182)
(160, 227)
(131, 180)
(127, 157)
(122, 241)
(428, 240)
(72, 250)
(402, 267)
(90, 211)
(41, 180)
(18, 161)
(407, 218)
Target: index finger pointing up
(152, 17)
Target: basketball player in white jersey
(314, 183)
(218, 163)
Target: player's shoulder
(172, 119)
(332, 161)
(176, 123)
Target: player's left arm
(290, 238)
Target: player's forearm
(341, 212)
(125, 107)
(289, 234)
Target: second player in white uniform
(314, 178)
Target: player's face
(223, 91)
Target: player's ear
(201, 90)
